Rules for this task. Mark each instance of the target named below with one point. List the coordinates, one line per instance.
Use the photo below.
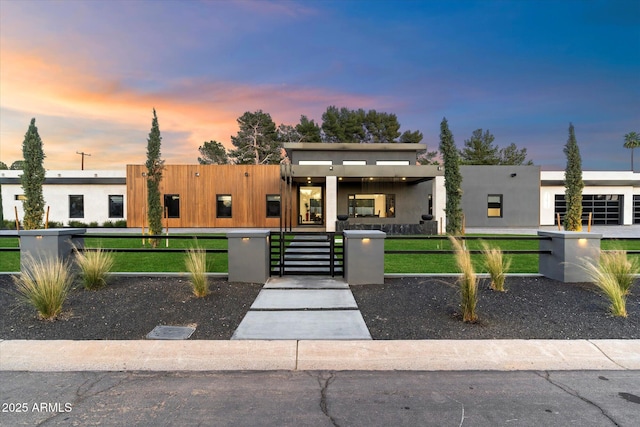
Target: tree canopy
(213, 153)
(3, 166)
(452, 179)
(480, 150)
(573, 184)
(32, 178)
(632, 141)
(257, 141)
(360, 126)
(155, 165)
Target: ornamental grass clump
(613, 275)
(196, 264)
(95, 267)
(44, 284)
(468, 281)
(497, 266)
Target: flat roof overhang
(411, 174)
(343, 146)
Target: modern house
(329, 187)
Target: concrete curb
(419, 355)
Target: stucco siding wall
(520, 195)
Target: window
(273, 205)
(372, 205)
(223, 205)
(76, 206)
(116, 206)
(392, 162)
(354, 162)
(494, 206)
(172, 205)
(315, 162)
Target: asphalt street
(321, 398)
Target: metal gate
(306, 253)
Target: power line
(82, 153)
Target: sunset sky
(91, 72)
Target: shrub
(196, 263)
(44, 284)
(621, 267)
(497, 266)
(613, 275)
(468, 282)
(77, 224)
(95, 267)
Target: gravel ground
(407, 308)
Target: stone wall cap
(360, 234)
(52, 232)
(570, 234)
(248, 233)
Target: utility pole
(82, 153)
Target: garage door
(606, 208)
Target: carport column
(331, 195)
(248, 253)
(364, 256)
(439, 199)
(569, 252)
(56, 243)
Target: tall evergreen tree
(479, 149)
(573, 183)
(155, 165)
(32, 178)
(452, 179)
(257, 141)
(632, 141)
(309, 130)
(511, 155)
(213, 153)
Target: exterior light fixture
(245, 239)
(197, 173)
(246, 174)
(513, 175)
(366, 240)
(404, 179)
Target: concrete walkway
(293, 355)
(303, 308)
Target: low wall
(425, 227)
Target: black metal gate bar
(306, 253)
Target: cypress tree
(452, 179)
(573, 184)
(154, 175)
(32, 178)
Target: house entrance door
(311, 206)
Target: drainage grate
(164, 332)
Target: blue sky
(90, 72)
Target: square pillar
(331, 203)
(569, 249)
(56, 243)
(364, 257)
(248, 253)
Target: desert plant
(613, 274)
(196, 263)
(95, 267)
(621, 267)
(468, 281)
(497, 266)
(44, 284)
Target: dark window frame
(221, 208)
(171, 205)
(270, 206)
(113, 207)
(389, 201)
(493, 205)
(77, 210)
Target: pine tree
(452, 179)
(573, 184)
(32, 178)
(257, 141)
(154, 175)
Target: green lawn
(393, 263)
